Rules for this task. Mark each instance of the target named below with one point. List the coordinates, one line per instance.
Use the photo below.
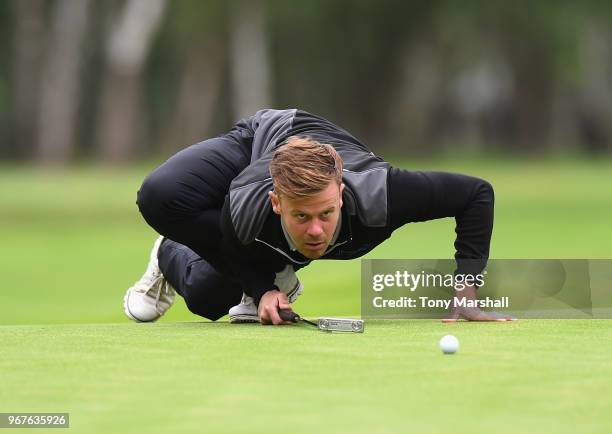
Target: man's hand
(269, 306)
(473, 313)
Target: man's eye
(327, 213)
(301, 216)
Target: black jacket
(377, 200)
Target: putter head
(341, 325)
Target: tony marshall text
(486, 302)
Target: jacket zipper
(282, 253)
(293, 260)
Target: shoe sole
(243, 319)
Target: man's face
(311, 221)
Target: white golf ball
(449, 344)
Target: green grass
(545, 376)
(73, 241)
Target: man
(240, 213)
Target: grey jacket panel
(270, 128)
(371, 200)
(249, 207)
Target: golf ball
(449, 344)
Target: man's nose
(315, 228)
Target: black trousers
(182, 201)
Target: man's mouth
(314, 246)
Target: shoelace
(157, 296)
(167, 290)
(155, 285)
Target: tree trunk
(127, 48)
(249, 59)
(60, 82)
(594, 116)
(411, 108)
(27, 48)
(198, 95)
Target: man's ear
(276, 207)
(341, 190)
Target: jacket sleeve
(416, 196)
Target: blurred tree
(594, 105)
(341, 58)
(527, 38)
(127, 46)
(249, 59)
(197, 46)
(134, 77)
(412, 106)
(27, 51)
(471, 106)
(60, 82)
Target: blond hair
(302, 167)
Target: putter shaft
(289, 315)
(309, 322)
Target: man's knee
(485, 190)
(199, 307)
(155, 199)
(204, 306)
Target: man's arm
(420, 196)
(416, 196)
(255, 270)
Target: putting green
(527, 376)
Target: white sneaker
(246, 311)
(152, 295)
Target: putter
(326, 324)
